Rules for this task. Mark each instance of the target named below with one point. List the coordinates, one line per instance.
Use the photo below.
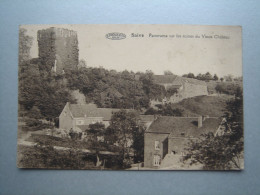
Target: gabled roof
(147, 118)
(183, 126)
(163, 79)
(91, 110)
(193, 81)
(176, 80)
(79, 110)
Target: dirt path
(28, 143)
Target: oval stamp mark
(115, 36)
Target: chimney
(199, 121)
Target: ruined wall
(192, 90)
(187, 90)
(60, 45)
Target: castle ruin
(185, 88)
(58, 49)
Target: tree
(171, 91)
(189, 75)
(48, 93)
(35, 113)
(138, 143)
(25, 43)
(151, 89)
(219, 88)
(95, 131)
(222, 152)
(228, 78)
(167, 110)
(120, 131)
(82, 64)
(215, 77)
(207, 76)
(199, 76)
(168, 72)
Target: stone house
(166, 138)
(79, 116)
(184, 87)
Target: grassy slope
(204, 105)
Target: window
(156, 160)
(157, 145)
(80, 122)
(173, 152)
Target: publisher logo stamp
(115, 36)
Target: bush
(47, 157)
(33, 122)
(75, 135)
(165, 110)
(227, 88)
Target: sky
(220, 53)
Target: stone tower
(58, 49)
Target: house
(182, 86)
(166, 138)
(79, 116)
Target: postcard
(130, 97)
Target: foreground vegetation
(121, 145)
(48, 157)
(223, 151)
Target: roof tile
(91, 110)
(184, 126)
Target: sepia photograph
(130, 97)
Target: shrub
(33, 122)
(75, 135)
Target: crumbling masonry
(58, 49)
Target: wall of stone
(60, 45)
(192, 90)
(46, 46)
(65, 119)
(188, 90)
(87, 121)
(177, 145)
(149, 147)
